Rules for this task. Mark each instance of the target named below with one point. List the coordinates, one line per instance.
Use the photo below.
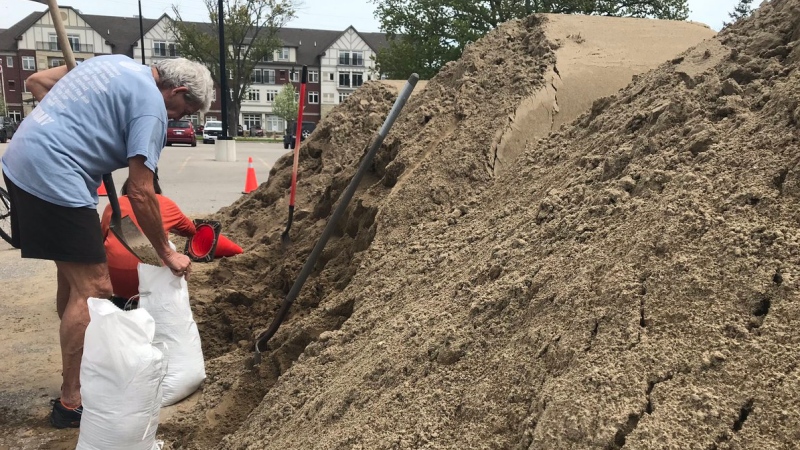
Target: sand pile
(631, 282)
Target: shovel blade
(135, 241)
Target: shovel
(344, 200)
(285, 239)
(124, 229)
(128, 234)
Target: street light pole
(3, 82)
(223, 74)
(141, 31)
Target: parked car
(7, 128)
(291, 130)
(239, 130)
(198, 129)
(180, 132)
(211, 131)
(256, 131)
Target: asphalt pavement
(198, 183)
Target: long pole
(223, 74)
(61, 33)
(141, 31)
(3, 82)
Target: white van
(211, 130)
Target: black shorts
(43, 230)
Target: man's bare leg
(62, 295)
(83, 281)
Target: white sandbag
(121, 373)
(166, 298)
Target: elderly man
(106, 114)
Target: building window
(281, 74)
(268, 58)
(343, 96)
(12, 85)
(256, 77)
(9, 61)
(54, 62)
(328, 76)
(74, 42)
(251, 120)
(351, 79)
(313, 97)
(283, 54)
(344, 58)
(28, 63)
(269, 76)
(294, 75)
(274, 124)
(16, 116)
(195, 119)
(348, 58)
(270, 96)
(344, 79)
(165, 49)
(253, 95)
(159, 48)
(328, 97)
(25, 86)
(313, 76)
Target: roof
(309, 43)
(123, 32)
(376, 41)
(120, 32)
(8, 39)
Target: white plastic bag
(166, 298)
(121, 373)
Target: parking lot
(199, 184)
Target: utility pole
(223, 74)
(3, 82)
(141, 31)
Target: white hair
(180, 72)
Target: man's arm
(40, 83)
(146, 209)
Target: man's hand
(179, 263)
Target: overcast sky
(320, 14)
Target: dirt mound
(595, 57)
(632, 282)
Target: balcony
(54, 47)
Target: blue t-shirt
(104, 111)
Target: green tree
(251, 35)
(424, 35)
(285, 105)
(740, 11)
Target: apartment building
(338, 61)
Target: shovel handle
(111, 192)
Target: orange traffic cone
(250, 183)
(226, 247)
(101, 191)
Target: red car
(180, 132)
